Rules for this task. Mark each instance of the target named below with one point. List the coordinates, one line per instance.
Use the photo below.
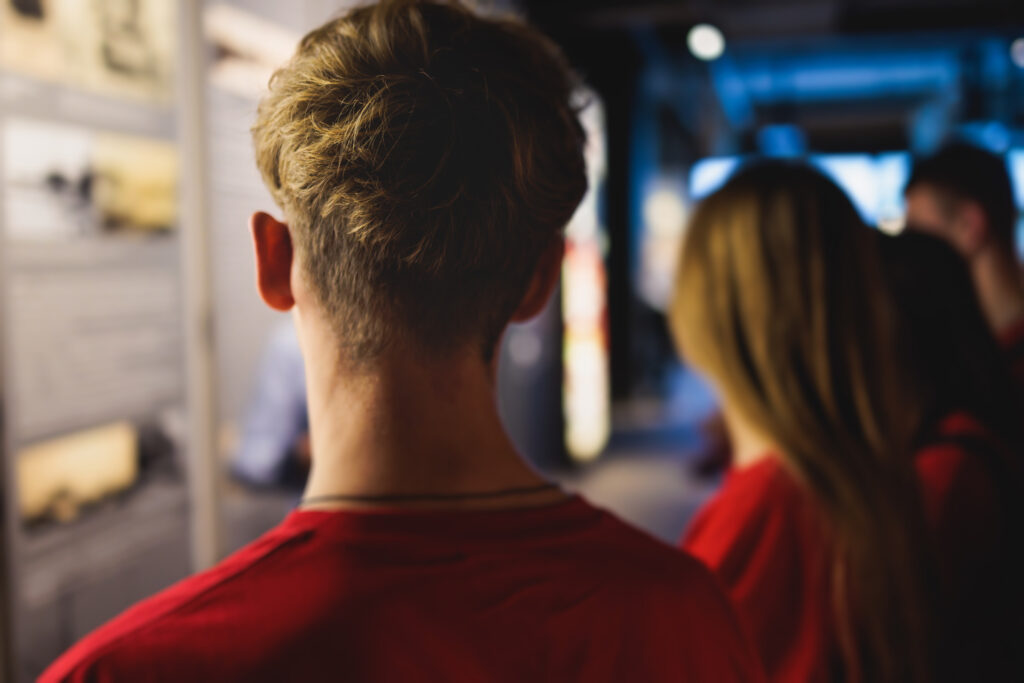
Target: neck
(749, 445)
(404, 427)
(997, 280)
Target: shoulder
(958, 466)
(162, 626)
(677, 607)
(758, 506)
(627, 552)
(747, 490)
(961, 446)
(661, 583)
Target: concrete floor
(653, 490)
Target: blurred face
(961, 223)
(925, 213)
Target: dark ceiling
(614, 42)
(763, 18)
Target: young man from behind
(425, 160)
(963, 195)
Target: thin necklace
(427, 497)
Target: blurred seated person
(274, 449)
(426, 161)
(963, 195)
(823, 530)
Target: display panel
(94, 392)
(95, 334)
(67, 182)
(586, 397)
(874, 183)
(117, 47)
(92, 287)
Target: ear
(971, 227)
(542, 284)
(273, 245)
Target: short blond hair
(425, 157)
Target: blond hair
(779, 299)
(424, 157)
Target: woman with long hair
(819, 532)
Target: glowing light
(707, 175)
(664, 213)
(706, 42)
(664, 220)
(1017, 52)
(587, 376)
(892, 225)
(874, 183)
(586, 397)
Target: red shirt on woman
(765, 539)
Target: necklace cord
(427, 497)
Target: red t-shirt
(764, 538)
(564, 592)
(972, 495)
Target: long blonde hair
(779, 299)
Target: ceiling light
(706, 42)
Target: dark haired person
(426, 160)
(963, 195)
(967, 442)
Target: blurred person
(954, 360)
(426, 161)
(819, 531)
(274, 448)
(968, 444)
(963, 195)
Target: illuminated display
(874, 183)
(1015, 163)
(586, 393)
(665, 211)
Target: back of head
(956, 362)
(424, 157)
(779, 300)
(960, 171)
